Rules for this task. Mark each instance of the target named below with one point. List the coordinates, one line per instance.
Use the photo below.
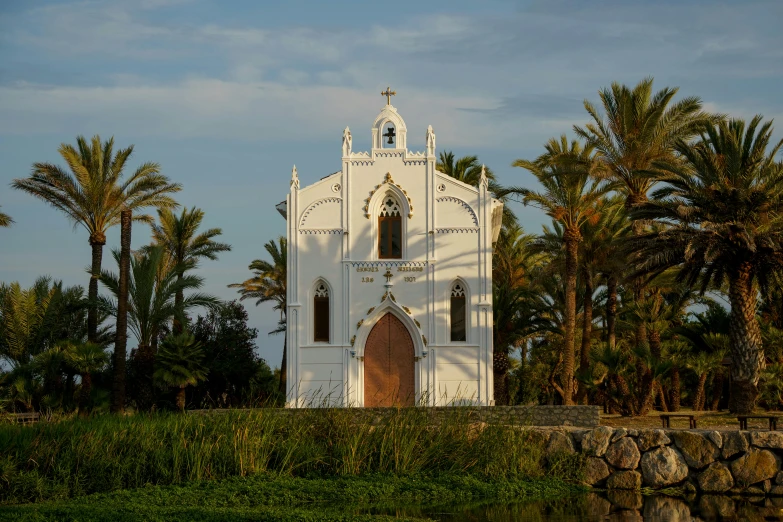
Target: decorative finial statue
(483, 179)
(294, 178)
(347, 142)
(430, 140)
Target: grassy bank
(55, 461)
(266, 497)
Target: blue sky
(227, 96)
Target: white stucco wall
(447, 236)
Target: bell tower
(389, 131)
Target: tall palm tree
(722, 211)
(570, 197)
(86, 359)
(183, 246)
(151, 294)
(121, 335)
(269, 285)
(638, 129)
(180, 364)
(94, 193)
(5, 220)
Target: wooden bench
(26, 417)
(773, 421)
(665, 419)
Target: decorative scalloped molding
(415, 162)
(388, 154)
(462, 202)
(388, 264)
(315, 204)
(321, 231)
(387, 180)
(365, 163)
(457, 230)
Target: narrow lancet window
(321, 313)
(390, 229)
(458, 311)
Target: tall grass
(81, 456)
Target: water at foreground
(616, 506)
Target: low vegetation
(57, 461)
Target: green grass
(267, 497)
(58, 461)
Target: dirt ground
(714, 420)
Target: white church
(389, 279)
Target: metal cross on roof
(389, 93)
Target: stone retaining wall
(583, 416)
(736, 462)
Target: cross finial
(389, 93)
(388, 275)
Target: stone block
(619, 433)
(652, 439)
(597, 440)
(697, 449)
(596, 470)
(716, 479)
(559, 442)
(754, 466)
(624, 480)
(734, 442)
(623, 454)
(767, 439)
(663, 467)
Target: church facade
(389, 279)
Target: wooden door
(389, 365)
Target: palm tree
(269, 285)
(466, 169)
(5, 220)
(515, 302)
(702, 365)
(86, 359)
(678, 353)
(570, 197)
(23, 313)
(183, 247)
(94, 193)
(639, 129)
(723, 204)
(151, 294)
(180, 364)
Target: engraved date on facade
(368, 279)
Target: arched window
(390, 229)
(321, 313)
(458, 312)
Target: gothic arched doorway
(389, 365)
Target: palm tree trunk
(662, 397)
(674, 392)
(611, 309)
(145, 361)
(638, 285)
(587, 329)
(571, 240)
(698, 401)
(97, 241)
(84, 393)
(121, 334)
(747, 353)
(500, 367)
(717, 389)
(181, 398)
